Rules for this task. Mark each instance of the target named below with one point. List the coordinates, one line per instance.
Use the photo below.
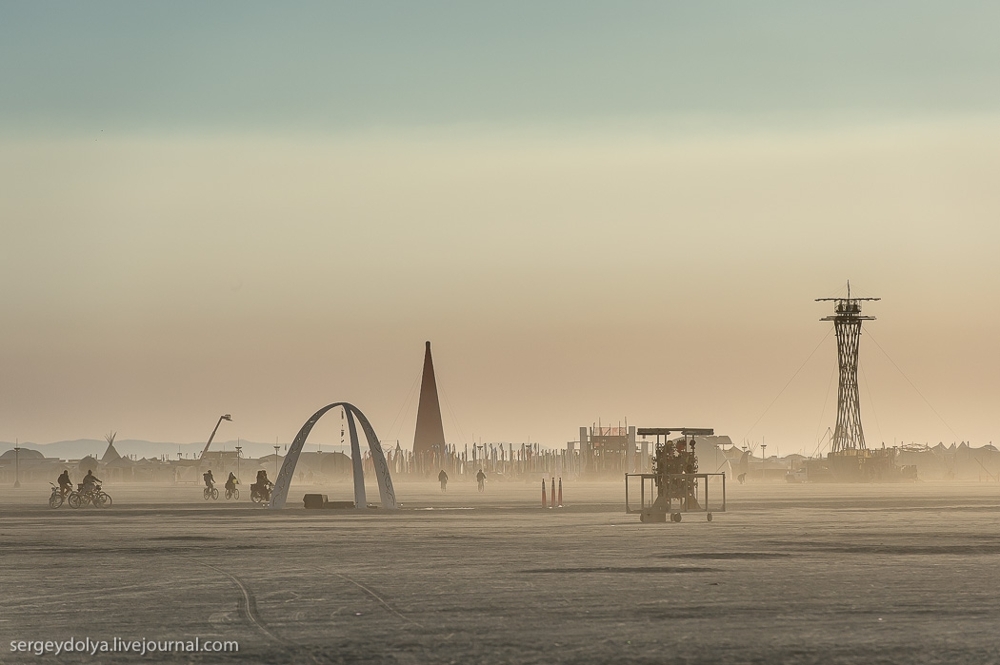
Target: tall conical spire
(429, 435)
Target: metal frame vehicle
(685, 497)
(674, 483)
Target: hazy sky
(592, 210)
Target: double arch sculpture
(385, 490)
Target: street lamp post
(276, 446)
(17, 464)
(239, 452)
(763, 459)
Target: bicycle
(260, 496)
(95, 496)
(211, 493)
(57, 497)
(101, 499)
(232, 493)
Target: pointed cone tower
(429, 435)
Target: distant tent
(120, 463)
(88, 463)
(712, 456)
(733, 453)
(110, 455)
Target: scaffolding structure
(674, 486)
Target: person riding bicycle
(90, 481)
(231, 482)
(443, 479)
(65, 484)
(263, 485)
(481, 479)
(209, 480)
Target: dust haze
(499, 333)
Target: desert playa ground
(790, 574)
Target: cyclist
(65, 484)
(90, 482)
(209, 480)
(231, 482)
(481, 479)
(262, 485)
(443, 479)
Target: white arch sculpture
(385, 490)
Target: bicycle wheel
(206, 493)
(236, 494)
(215, 493)
(55, 500)
(74, 500)
(103, 500)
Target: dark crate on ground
(314, 500)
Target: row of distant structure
(599, 452)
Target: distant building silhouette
(429, 434)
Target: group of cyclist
(261, 488)
(89, 484)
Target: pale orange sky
(151, 284)
(593, 210)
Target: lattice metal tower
(847, 318)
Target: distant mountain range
(80, 448)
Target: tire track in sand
(389, 608)
(248, 608)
